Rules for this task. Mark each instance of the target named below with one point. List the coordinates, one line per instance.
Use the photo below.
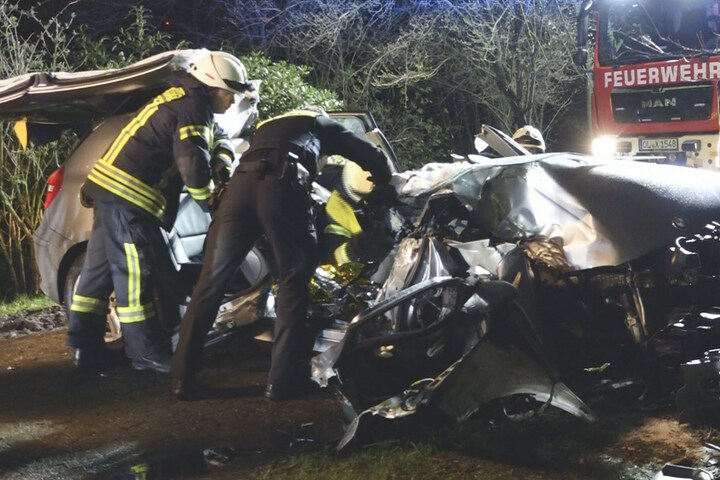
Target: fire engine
(653, 86)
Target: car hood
(604, 212)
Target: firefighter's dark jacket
(166, 144)
(305, 136)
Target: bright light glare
(603, 147)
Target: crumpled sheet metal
(244, 309)
(478, 379)
(700, 395)
(516, 199)
(483, 256)
(322, 365)
(603, 213)
(474, 381)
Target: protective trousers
(119, 257)
(252, 205)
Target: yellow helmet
(355, 181)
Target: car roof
(70, 97)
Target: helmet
(355, 181)
(221, 70)
(530, 139)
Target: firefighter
(530, 139)
(269, 193)
(353, 230)
(134, 189)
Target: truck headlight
(604, 147)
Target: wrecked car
(530, 282)
(96, 105)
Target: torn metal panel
(577, 200)
(477, 380)
(680, 472)
(323, 365)
(701, 393)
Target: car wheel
(113, 335)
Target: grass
(553, 446)
(560, 448)
(25, 303)
(387, 460)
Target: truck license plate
(658, 144)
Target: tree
(432, 71)
(28, 44)
(32, 43)
(284, 86)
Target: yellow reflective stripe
(202, 131)
(342, 213)
(138, 121)
(133, 266)
(341, 255)
(88, 300)
(88, 305)
(117, 189)
(82, 309)
(294, 113)
(135, 313)
(202, 193)
(226, 155)
(119, 182)
(333, 229)
(125, 181)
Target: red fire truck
(653, 91)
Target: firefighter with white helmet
(530, 139)
(221, 70)
(134, 189)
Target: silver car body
(105, 100)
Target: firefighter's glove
(221, 171)
(369, 246)
(381, 174)
(214, 200)
(382, 195)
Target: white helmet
(221, 70)
(530, 139)
(355, 181)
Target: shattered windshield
(640, 31)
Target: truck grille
(674, 104)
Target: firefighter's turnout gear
(121, 252)
(135, 188)
(342, 225)
(268, 193)
(167, 144)
(355, 231)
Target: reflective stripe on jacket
(165, 145)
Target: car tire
(113, 335)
